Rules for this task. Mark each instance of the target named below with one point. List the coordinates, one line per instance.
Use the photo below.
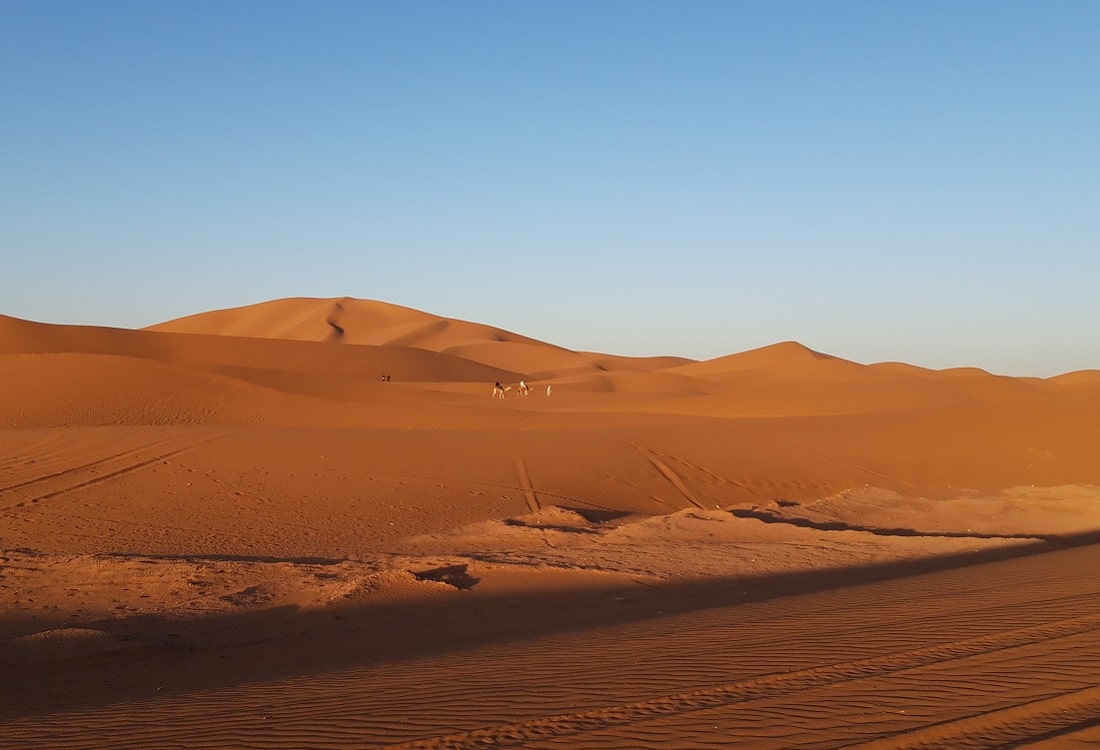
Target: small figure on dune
(522, 388)
(499, 390)
(547, 390)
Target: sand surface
(308, 524)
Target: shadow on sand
(163, 657)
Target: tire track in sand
(1018, 722)
(84, 466)
(1003, 728)
(668, 473)
(525, 482)
(125, 469)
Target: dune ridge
(348, 320)
(308, 523)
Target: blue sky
(914, 181)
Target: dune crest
(370, 322)
(351, 321)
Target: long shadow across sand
(162, 656)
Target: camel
(499, 390)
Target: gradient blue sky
(915, 181)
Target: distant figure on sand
(499, 390)
(522, 388)
(547, 390)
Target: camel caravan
(522, 390)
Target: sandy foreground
(309, 524)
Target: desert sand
(307, 524)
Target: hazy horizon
(880, 182)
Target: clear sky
(914, 181)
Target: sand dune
(1080, 377)
(350, 321)
(231, 530)
(212, 351)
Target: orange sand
(233, 531)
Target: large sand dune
(307, 523)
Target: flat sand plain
(308, 524)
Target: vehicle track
(83, 467)
(125, 457)
(1004, 728)
(670, 474)
(494, 485)
(525, 481)
(1018, 723)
